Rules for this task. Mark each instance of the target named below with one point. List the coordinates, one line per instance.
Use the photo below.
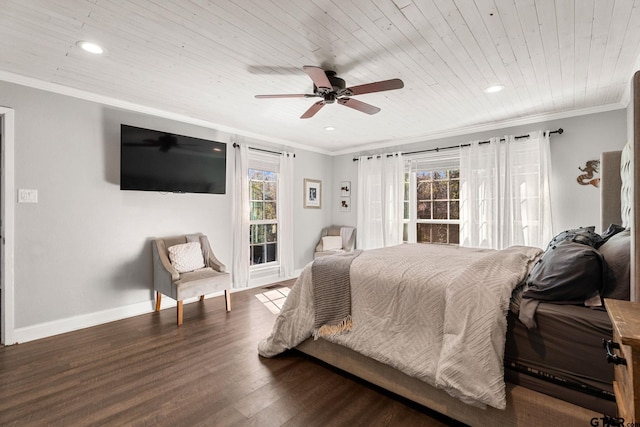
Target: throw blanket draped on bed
(437, 313)
(332, 294)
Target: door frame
(7, 226)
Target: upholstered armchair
(185, 267)
(335, 239)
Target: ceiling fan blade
(285, 95)
(374, 87)
(358, 105)
(313, 110)
(318, 76)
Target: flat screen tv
(152, 160)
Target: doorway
(7, 220)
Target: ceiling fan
(331, 88)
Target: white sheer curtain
(504, 192)
(285, 214)
(380, 201)
(240, 265)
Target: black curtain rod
(261, 149)
(559, 132)
(355, 159)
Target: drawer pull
(613, 358)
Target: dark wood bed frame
(525, 407)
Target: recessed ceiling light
(91, 47)
(494, 89)
(329, 128)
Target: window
(263, 228)
(432, 200)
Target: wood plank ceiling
(205, 60)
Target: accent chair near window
(185, 267)
(335, 239)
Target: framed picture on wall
(312, 193)
(345, 189)
(345, 204)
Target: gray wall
(85, 246)
(573, 205)
(310, 221)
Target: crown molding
(284, 144)
(481, 128)
(138, 108)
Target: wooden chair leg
(179, 312)
(201, 297)
(158, 300)
(227, 299)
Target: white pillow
(186, 257)
(331, 243)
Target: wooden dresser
(624, 351)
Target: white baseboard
(69, 324)
(55, 327)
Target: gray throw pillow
(616, 253)
(568, 273)
(584, 235)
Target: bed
(555, 374)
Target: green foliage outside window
(263, 232)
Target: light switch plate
(27, 196)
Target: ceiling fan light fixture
(91, 47)
(329, 128)
(494, 89)
(332, 89)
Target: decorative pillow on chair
(186, 257)
(331, 243)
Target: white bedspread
(434, 312)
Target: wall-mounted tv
(152, 160)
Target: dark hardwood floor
(147, 371)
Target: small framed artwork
(312, 193)
(345, 204)
(345, 188)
